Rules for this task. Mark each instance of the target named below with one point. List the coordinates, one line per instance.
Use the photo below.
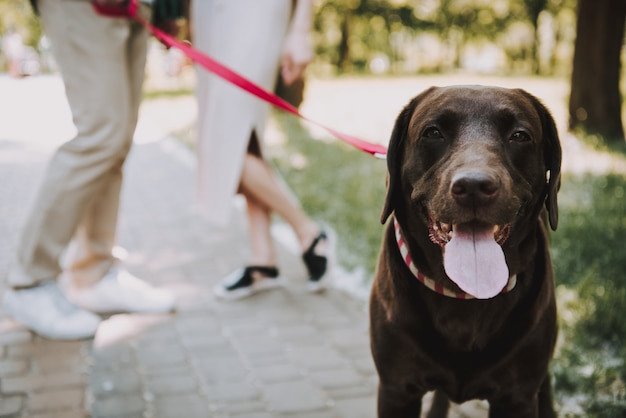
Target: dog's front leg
(538, 405)
(505, 408)
(398, 403)
(440, 405)
(545, 403)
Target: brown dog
(463, 298)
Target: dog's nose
(474, 188)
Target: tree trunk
(534, 9)
(343, 60)
(595, 99)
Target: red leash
(131, 10)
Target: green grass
(158, 94)
(589, 256)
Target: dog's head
(472, 164)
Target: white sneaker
(45, 310)
(120, 291)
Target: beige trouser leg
(102, 61)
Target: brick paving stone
(364, 365)
(317, 358)
(110, 364)
(221, 369)
(336, 378)
(47, 364)
(231, 392)
(243, 407)
(269, 358)
(297, 332)
(39, 348)
(104, 383)
(360, 390)
(13, 367)
(165, 371)
(278, 373)
(196, 326)
(118, 406)
(160, 332)
(254, 415)
(59, 414)
(53, 400)
(11, 406)
(247, 327)
(203, 343)
(294, 397)
(253, 346)
(163, 355)
(15, 337)
(171, 384)
(321, 414)
(37, 382)
(347, 337)
(331, 321)
(190, 405)
(364, 407)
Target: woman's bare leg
(259, 220)
(258, 184)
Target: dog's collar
(430, 283)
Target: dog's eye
(432, 133)
(520, 136)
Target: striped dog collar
(430, 283)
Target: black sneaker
(240, 283)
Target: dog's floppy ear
(552, 158)
(394, 155)
(553, 162)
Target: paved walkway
(283, 353)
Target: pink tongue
(475, 262)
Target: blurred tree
(595, 99)
(534, 9)
(351, 32)
(19, 15)
(460, 21)
(561, 21)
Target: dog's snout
(474, 188)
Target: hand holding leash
(297, 54)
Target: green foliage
(607, 408)
(592, 229)
(350, 33)
(18, 14)
(589, 258)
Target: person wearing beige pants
(102, 61)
